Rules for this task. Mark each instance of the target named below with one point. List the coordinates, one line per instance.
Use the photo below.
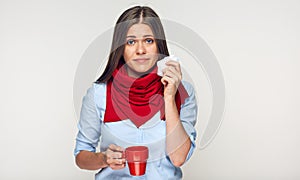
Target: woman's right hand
(115, 157)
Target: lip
(141, 60)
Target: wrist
(102, 159)
(169, 98)
(169, 103)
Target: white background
(256, 43)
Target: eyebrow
(132, 36)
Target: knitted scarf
(137, 99)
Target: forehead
(139, 30)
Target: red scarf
(137, 99)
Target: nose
(140, 48)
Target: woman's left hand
(171, 78)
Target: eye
(130, 42)
(149, 40)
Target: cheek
(128, 53)
(154, 53)
(154, 49)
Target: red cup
(136, 157)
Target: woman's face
(140, 53)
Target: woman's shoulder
(99, 90)
(98, 86)
(96, 89)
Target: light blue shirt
(152, 134)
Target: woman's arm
(88, 137)
(178, 142)
(91, 160)
(112, 157)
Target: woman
(131, 105)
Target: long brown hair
(134, 15)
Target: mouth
(141, 60)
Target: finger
(164, 81)
(110, 154)
(175, 64)
(175, 77)
(173, 70)
(115, 151)
(167, 80)
(114, 155)
(115, 161)
(117, 166)
(114, 147)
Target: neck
(135, 74)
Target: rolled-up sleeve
(89, 125)
(188, 116)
